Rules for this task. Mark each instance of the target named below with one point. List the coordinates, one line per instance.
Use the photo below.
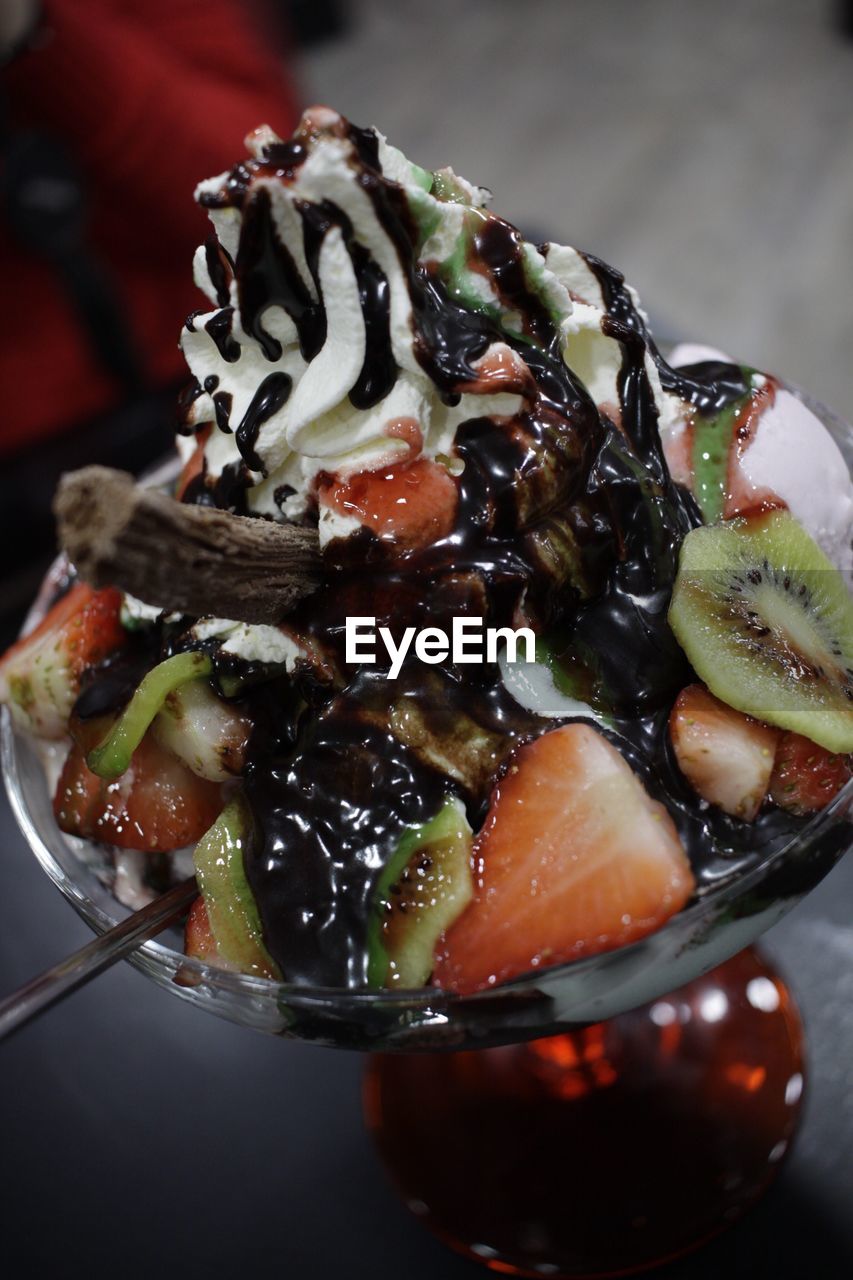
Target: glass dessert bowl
(707, 932)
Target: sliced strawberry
(40, 675)
(199, 941)
(407, 505)
(741, 497)
(727, 757)
(574, 858)
(158, 804)
(198, 935)
(806, 777)
(89, 733)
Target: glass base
(603, 1151)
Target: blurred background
(704, 148)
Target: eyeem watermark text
(469, 641)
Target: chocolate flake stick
(184, 558)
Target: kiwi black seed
(767, 622)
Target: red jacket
(149, 98)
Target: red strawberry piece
(407, 505)
(727, 757)
(158, 804)
(741, 497)
(199, 941)
(198, 935)
(90, 733)
(806, 777)
(574, 858)
(40, 675)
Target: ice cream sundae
(447, 429)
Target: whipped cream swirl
(324, 353)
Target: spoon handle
(56, 983)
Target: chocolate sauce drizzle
(222, 402)
(186, 400)
(319, 844)
(219, 329)
(268, 276)
(270, 396)
(220, 268)
(499, 247)
(379, 370)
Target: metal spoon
(75, 970)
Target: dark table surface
(141, 1136)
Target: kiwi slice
(235, 923)
(426, 885)
(111, 758)
(767, 622)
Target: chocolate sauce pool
(560, 512)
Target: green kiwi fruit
(767, 622)
(426, 885)
(231, 908)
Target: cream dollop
(317, 428)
